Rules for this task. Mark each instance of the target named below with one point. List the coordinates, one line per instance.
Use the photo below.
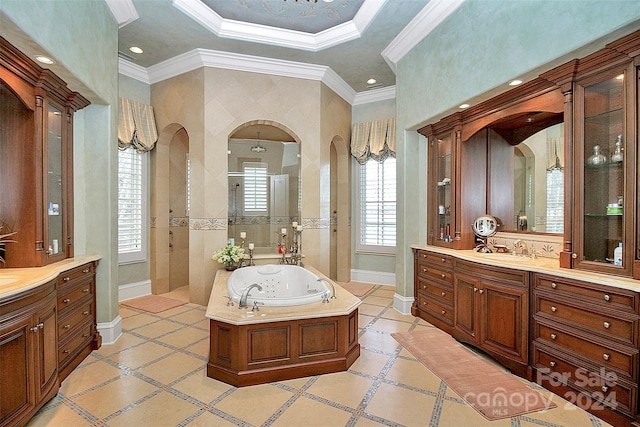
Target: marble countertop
(16, 280)
(539, 265)
(217, 309)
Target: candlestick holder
(251, 257)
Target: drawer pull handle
(34, 329)
(552, 363)
(475, 289)
(443, 260)
(443, 312)
(605, 356)
(424, 255)
(443, 293)
(85, 290)
(444, 275)
(85, 312)
(67, 351)
(424, 286)
(554, 308)
(40, 325)
(66, 300)
(554, 336)
(605, 388)
(86, 270)
(424, 270)
(482, 291)
(66, 279)
(554, 285)
(607, 325)
(67, 326)
(85, 335)
(607, 297)
(425, 303)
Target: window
(132, 206)
(255, 188)
(377, 207)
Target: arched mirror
(264, 185)
(527, 172)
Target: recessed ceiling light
(45, 59)
(515, 82)
(464, 106)
(327, 1)
(135, 49)
(372, 81)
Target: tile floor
(155, 376)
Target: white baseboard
(402, 304)
(111, 331)
(375, 277)
(134, 290)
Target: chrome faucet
(333, 288)
(245, 294)
(522, 245)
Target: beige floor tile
(462, 414)
(184, 337)
(565, 413)
(254, 404)
(124, 342)
(162, 410)
(341, 387)
(200, 348)
(181, 293)
(171, 368)
(207, 419)
(413, 373)
(389, 326)
(139, 356)
(61, 415)
(126, 312)
(114, 396)
(370, 310)
(157, 329)
(175, 311)
(385, 292)
(296, 383)
(203, 324)
(378, 340)
(403, 406)
(136, 321)
(390, 313)
(85, 377)
(310, 413)
(376, 300)
(201, 387)
(189, 317)
(369, 362)
(363, 320)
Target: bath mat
(356, 288)
(486, 387)
(152, 303)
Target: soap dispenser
(617, 255)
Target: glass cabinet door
(603, 187)
(444, 192)
(54, 181)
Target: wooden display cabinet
(36, 122)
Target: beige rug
(356, 288)
(489, 389)
(152, 303)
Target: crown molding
(239, 30)
(123, 11)
(129, 69)
(375, 95)
(426, 21)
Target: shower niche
(264, 186)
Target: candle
(294, 224)
(283, 231)
(251, 246)
(299, 228)
(243, 234)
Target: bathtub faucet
(333, 288)
(245, 294)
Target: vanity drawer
(75, 343)
(428, 271)
(605, 296)
(607, 390)
(610, 326)
(622, 360)
(72, 294)
(71, 321)
(71, 277)
(436, 290)
(441, 311)
(435, 259)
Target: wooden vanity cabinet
(36, 130)
(28, 351)
(433, 289)
(491, 311)
(587, 334)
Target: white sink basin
(508, 257)
(7, 280)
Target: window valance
(376, 140)
(136, 126)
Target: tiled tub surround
(278, 343)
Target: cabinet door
(46, 348)
(465, 321)
(604, 159)
(445, 200)
(17, 395)
(503, 321)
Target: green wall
(470, 57)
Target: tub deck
(280, 343)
